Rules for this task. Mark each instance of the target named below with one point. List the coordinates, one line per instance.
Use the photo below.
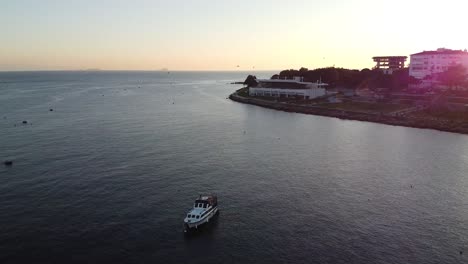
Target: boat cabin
(205, 201)
(202, 206)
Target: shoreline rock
(351, 115)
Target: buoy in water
(25, 122)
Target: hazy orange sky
(219, 35)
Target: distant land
(91, 69)
(366, 95)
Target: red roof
(442, 52)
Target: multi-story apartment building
(428, 63)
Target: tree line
(454, 76)
(352, 79)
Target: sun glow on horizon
(260, 35)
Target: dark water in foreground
(109, 174)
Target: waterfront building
(388, 64)
(288, 88)
(426, 64)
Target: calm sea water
(110, 173)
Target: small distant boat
(204, 208)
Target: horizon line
(99, 70)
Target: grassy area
(243, 92)
(442, 115)
(366, 107)
(323, 102)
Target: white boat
(204, 208)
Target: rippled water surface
(108, 175)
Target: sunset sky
(221, 34)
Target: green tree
(401, 79)
(251, 81)
(413, 80)
(289, 74)
(454, 76)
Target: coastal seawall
(441, 125)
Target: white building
(428, 63)
(288, 88)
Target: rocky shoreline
(441, 125)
